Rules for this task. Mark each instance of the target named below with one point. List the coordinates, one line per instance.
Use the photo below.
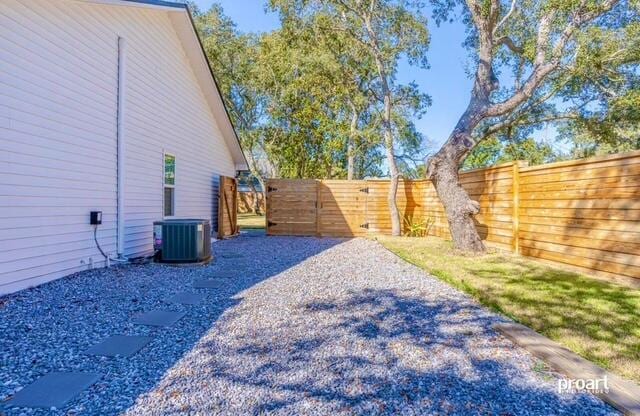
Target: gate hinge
(271, 189)
(365, 225)
(365, 190)
(271, 224)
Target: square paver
(187, 298)
(158, 318)
(223, 274)
(210, 283)
(232, 255)
(53, 389)
(119, 346)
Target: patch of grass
(251, 221)
(598, 320)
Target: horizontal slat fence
(341, 208)
(493, 189)
(292, 206)
(585, 213)
(411, 199)
(582, 213)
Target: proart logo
(591, 385)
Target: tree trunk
(351, 157)
(459, 208)
(256, 198)
(386, 123)
(443, 172)
(393, 168)
(255, 172)
(393, 189)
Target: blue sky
(445, 81)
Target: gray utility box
(182, 241)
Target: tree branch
(542, 66)
(519, 122)
(505, 18)
(508, 42)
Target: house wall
(58, 102)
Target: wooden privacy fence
(335, 208)
(583, 213)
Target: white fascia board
(148, 4)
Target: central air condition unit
(182, 241)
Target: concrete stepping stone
(232, 256)
(187, 298)
(119, 346)
(53, 390)
(223, 274)
(210, 283)
(158, 318)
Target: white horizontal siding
(58, 95)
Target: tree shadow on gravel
(374, 352)
(48, 328)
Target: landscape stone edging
(624, 395)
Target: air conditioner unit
(182, 241)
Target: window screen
(169, 185)
(168, 202)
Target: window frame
(166, 185)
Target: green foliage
(309, 111)
(587, 95)
(292, 93)
(493, 151)
(606, 85)
(418, 227)
(528, 150)
(485, 154)
(232, 56)
(613, 129)
(363, 46)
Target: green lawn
(596, 319)
(251, 221)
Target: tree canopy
(536, 61)
(306, 98)
(319, 97)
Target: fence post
(318, 206)
(515, 216)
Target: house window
(169, 185)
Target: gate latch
(365, 225)
(271, 189)
(365, 190)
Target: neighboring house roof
(185, 28)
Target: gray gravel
(306, 326)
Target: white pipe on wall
(121, 145)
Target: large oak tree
(544, 43)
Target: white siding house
(93, 94)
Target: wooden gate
(291, 207)
(228, 207)
(327, 208)
(342, 208)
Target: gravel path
(307, 326)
